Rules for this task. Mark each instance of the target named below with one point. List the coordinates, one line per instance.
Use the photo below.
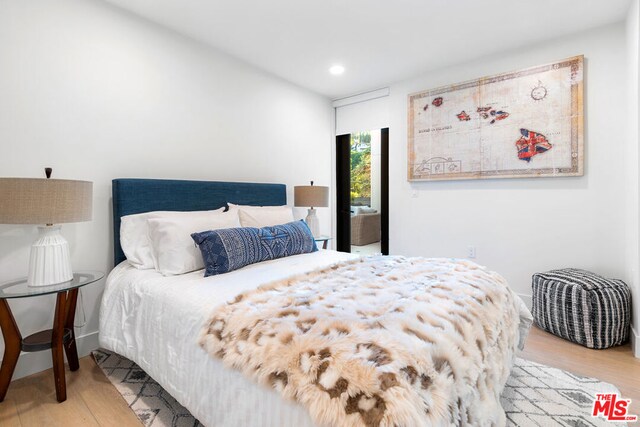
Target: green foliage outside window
(361, 168)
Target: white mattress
(156, 321)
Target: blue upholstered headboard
(132, 196)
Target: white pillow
(173, 248)
(365, 210)
(134, 236)
(233, 206)
(262, 216)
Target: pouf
(582, 307)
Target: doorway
(362, 181)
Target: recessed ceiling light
(336, 70)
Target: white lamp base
(50, 261)
(313, 222)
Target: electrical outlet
(471, 252)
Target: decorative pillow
(173, 248)
(134, 235)
(230, 249)
(262, 216)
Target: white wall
(633, 164)
(362, 116)
(99, 94)
(528, 225)
(520, 226)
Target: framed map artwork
(522, 124)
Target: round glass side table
(60, 338)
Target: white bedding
(156, 321)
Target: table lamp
(311, 196)
(46, 201)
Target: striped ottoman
(582, 307)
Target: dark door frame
(343, 192)
(384, 190)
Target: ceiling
(378, 41)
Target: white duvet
(156, 321)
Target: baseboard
(635, 342)
(31, 363)
(527, 300)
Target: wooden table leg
(70, 346)
(57, 344)
(12, 346)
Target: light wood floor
(614, 365)
(93, 401)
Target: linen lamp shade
(311, 196)
(48, 202)
(45, 201)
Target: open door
(362, 193)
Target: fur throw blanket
(381, 341)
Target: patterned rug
(539, 395)
(535, 395)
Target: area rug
(535, 395)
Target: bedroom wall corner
(98, 93)
(632, 208)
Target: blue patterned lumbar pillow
(229, 249)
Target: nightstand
(60, 337)
(324, 240)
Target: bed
(156, 321)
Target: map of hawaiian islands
(511, 125)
